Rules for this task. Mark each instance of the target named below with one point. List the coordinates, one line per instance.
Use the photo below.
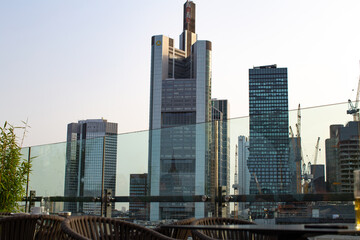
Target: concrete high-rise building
(269, 136)
(220, 113)
(318, 181)
(138, 188)
(295, 164)
(332, 159)
(243, 173)
(180, 107)
(342, 156)
(89, 142)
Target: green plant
(13, 170)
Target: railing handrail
(319, 197)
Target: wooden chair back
(92, 227)
(175, 232)
(24, 227)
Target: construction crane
(316, 150)
(353, 108)
(257, 184)
(308, 176)
(312, 174)
(301, 163)
(292, 138)
(298, 120)
(298, 129)
(236, 183)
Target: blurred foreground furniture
(177, 233)
(269, 231)
(40, 227)
(92, 227)
(214, 232)
(5, 214)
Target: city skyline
(49, 52)
(180, 154)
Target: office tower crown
(188, 36)
(189, 16)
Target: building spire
(189, 16)
(188, 36)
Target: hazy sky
(64, 61)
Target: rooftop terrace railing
(75, 175)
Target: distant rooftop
(266, 66)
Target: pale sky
(64, 61)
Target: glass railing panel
(48, 173)
(131, 165)
(189, 163)
(48, 169)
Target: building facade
(332, 159)
(243, 174)
(138, 188)
(180, 109)
(89, 143)
(295, 164)
(269, 136)
(317, 183)
(220, 113)
(342, 156)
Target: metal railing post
(27, 183)
(103, 201)
(32, 199)
(108, 203)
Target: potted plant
(13, 170)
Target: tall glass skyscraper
(180, 107)
(85, 153)
(269, 136)
(138, 188)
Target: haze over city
(63, 61)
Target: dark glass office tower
(138, 188)
(269, 136)
(180, 105)
(84, 162)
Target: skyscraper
(269, 136)
(85, 154)
(243, 172)
(332, 159)
(295, 163)
(138, 188)
(220, 113)
(342, 156)
(317, 183)
(180, 99)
